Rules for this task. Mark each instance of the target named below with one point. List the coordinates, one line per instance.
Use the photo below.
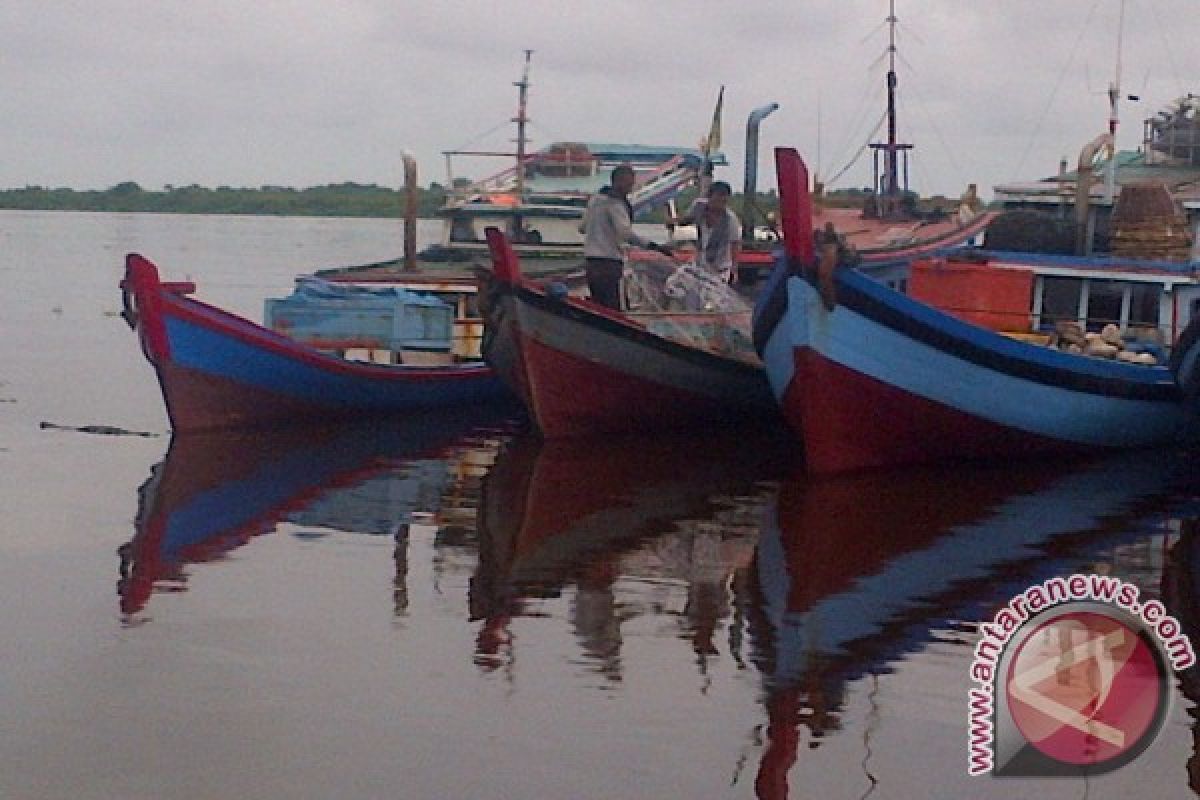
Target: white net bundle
(689, 304)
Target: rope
(860, 114)
(1162, 34)
(1037, 128)
(861, 150)
(483, 135)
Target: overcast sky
(306, 92)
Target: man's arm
(735, 245)
(623, 226)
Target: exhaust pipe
(750, 183)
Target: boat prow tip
(505, 265)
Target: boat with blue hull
(217, 370)
(872, 378)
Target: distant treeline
(332, 200)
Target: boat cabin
(541, 208)
(1024, 293)
(417, 320)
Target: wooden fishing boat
(217, 370)
(582, 368)
(871, 378)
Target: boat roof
(1132, 167)
(646, 153)
(1106, 266)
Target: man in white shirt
(608, 229)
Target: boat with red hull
(585, 369)
(872, 378)
(218, 370)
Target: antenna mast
(1114, 95)
(522, 95)
(888, 187)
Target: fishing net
(690, 305)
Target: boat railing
(662, 182)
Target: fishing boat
(888, 229)
(870, 378)
(538, 199)
(584, 369)
(1119, 253)
(216, 491)
(1117, 239)
(218, 370)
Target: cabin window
(1060, 298)
(472, 307)
(1144, 302)
(1104, 303)
(462, 230)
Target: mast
(889, 186)
(522, 95)
(1114, 95)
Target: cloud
(305, 92)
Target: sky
(307, 92)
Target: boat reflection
(819, 585)
(576, 518)
(854, 573)
(1181, 595)
(215, 491)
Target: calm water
(445, 607)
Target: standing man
(719, 232)
(608, 228)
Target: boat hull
(881, 381)
(219, 371)
(583, 370)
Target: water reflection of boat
(848, 589)
(676, 508)
(1181, 595)
(213, 492)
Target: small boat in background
(538, 199)
(584, 369)
(217, 370)
(872, 378)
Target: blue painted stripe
(214, 353)
(1096, 263)
(999, 352)
(860, 344)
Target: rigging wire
(937, 132)
(858, 155)
(483, 135)
(1166, 43)
(859, 116)
(1037, 128)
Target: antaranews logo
(1072, 678)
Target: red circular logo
(1084, 688)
